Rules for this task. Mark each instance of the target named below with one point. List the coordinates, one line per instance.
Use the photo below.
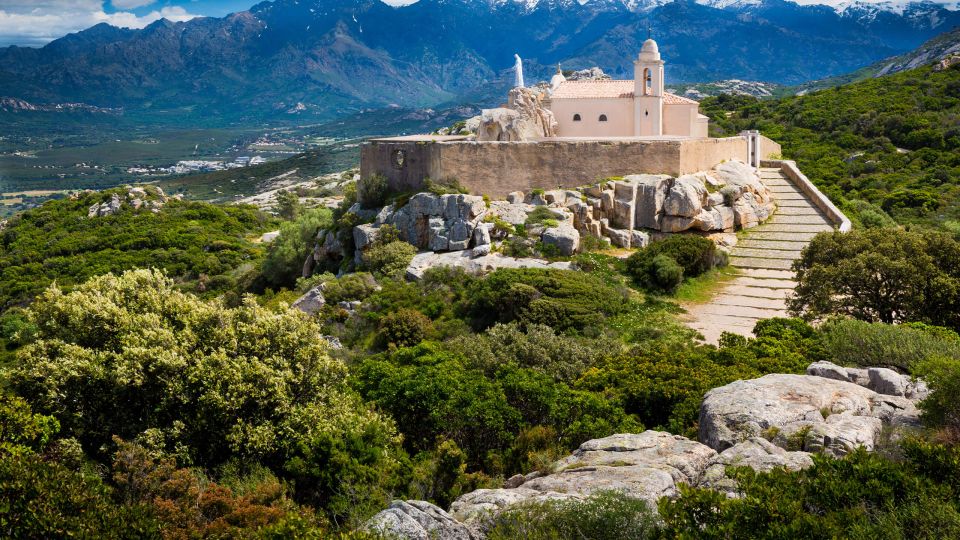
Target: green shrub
(941, 408)
(566, 300)
(372, 191)
(288, 251)
(541, 215)
(205, 383)
(404, 328)
(389, 260)
(287, 204)
(862, 495)
(902, 346)
(656, 266)
(350, 287)
(604, 515)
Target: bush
(941, 408)
(287, 204)
(350, 287)
(205, 383)
(288, 251)
(860, 496)
(663, 265)
(404, 328)
(901, 346)
(390, 259)
(372, 191)
(567, 301)
(880, 275)
(603, 515)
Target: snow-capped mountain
(339, 56)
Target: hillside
(940, 47)
(291, 60)
(891, 141)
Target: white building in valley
(627, 108)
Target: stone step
(795, 196)
(777, 190)
(766, 273)
(758, 292)
(756, 234)
(755, 262)
(791, 228)
(757, 243)
(799, 220)
(765, 253)
(769, 284)
(775, 181)
(718, 324)
(798, 203)
(749, 301)
(805, 210)
(741, 311)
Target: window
(647, 81)
(576, 117)
(603, 118)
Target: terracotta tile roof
(608, 88)
(593, 89)
(673, 99)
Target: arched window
(576, 117)
(647, 81)
(603, 118)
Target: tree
(880, 275)
(287, 204)
(132, 356)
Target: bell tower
(648, 91)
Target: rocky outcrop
(801, 412)
(418, 520)
(525, 119)
(728, 198)
(646, 465)
(565, 238)
(757, 453)
(152, 199)
(474, 262)
(880, 380)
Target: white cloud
(131, 4)
(39, 22)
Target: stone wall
(498, 168)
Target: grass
(704, 287)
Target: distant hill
(320, 59)
(940, 47)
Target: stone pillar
(753, 147)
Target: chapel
(624, 108)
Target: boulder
(481, 235)
(639, 239)
(674, 224)
(888, 381)
(364, 235)
(512, 213)
(686, 197)
(311, 302)
(784, 403)
(757, 453)
(646, 465)
(418, 520)
(651, 193)
(624, 198)
(619, 237)
(459, 233)
(564, 237)
(515, 197)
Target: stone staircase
(763, 257)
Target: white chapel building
(637, 108)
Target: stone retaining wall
(800, 180)
(498, 168)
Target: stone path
(763, 257)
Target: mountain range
(326, 58)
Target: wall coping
(790, 169)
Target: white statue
(518, 69)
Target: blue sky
(37, 22)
